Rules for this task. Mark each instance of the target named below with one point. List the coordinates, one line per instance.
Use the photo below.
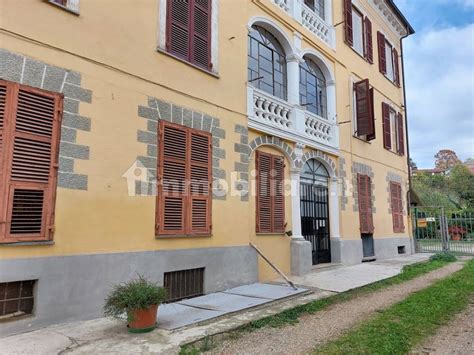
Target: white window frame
(389, 60)
(356, 14)
(162, 11)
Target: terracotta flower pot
(456, 237)
(142, 320)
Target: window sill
(162, 51)
(19, 244)
(179, 236)
(393, 152)
(360, 55)
(73, 12)
(361, 139)
(392, 81)
(276, 234)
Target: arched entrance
(314, 206)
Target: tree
(446, 159)
(461, 181)
(413, 165)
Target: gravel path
(315, 329)
(457, 337)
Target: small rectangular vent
(184, 284)
(16, 298)
(401, 249)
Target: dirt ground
(456, 337)
(316, 329)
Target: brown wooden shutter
(201, 33)
(397, 207)
(31, 131)
(270, 193)
(368, 48)
(387, 138)
(401, 140)
(200, 183)
(364, 109)
(178, 25)
(4, 88)
(381, 53)
(171, 203)
(264, 202)
(396, 68)
(278, 195)
(365, 204)
(371, 136)
(348, 32)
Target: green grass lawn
(404, 325)
(290, 316)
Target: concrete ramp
(195, 310)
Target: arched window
(313, 88)
(266, 62)
(315, 172)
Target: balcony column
(301, 251)
(293, 73)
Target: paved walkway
(111, 336)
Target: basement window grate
(401, 249)
(184, 284)
(16, 298)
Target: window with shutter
(397, 207)
(270, 193)
(381, 53)
(400, 138)
(365, 127)
(189, 31)
(29, 136)
(387, 138)
(184, 181)
(365, 204)
(348, 22)
(368, 50)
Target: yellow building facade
(278, 79)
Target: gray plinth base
(301, 259)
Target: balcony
(321, 28)
(277, 117)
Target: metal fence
(436, 230)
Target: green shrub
(444, 256)
(135, 294)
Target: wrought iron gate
(436, 230)
(315, 220)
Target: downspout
(406, 121)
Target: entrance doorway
(315, 210)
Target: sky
(439, 75)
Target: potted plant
(456, 232)
(139, 300)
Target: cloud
(439, 74)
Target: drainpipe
(406, 120)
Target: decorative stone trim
(359, 168)
(280, 145)
(242, 166)
(156, 110)
(25, 70)
(393, 177)
(324, 158)
(343, 176)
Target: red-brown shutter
(178, 24)
(270, 193)
(368, 48)
(171, 201)
(31, 131)
(189, 30)
(365, 204)
(371, 136)
(381, 53)
(397, 207)
(200, 182)
(401, 140)
(201, 33)
(263, 163)
(278, 195)
(387, 138)
(184, 181)
(348, 32)
(396, 68)
(364, 109)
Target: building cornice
(393, 17)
